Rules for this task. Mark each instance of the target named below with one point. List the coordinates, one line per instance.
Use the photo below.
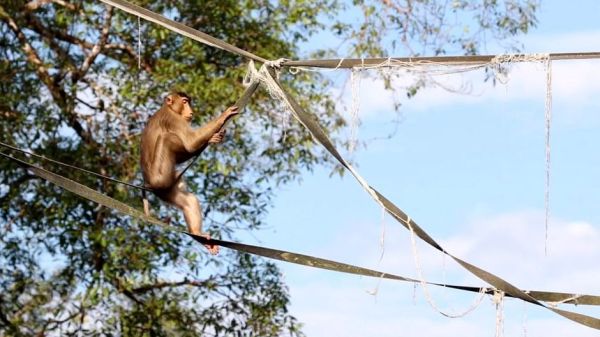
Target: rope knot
(498, 297)
(277, 64)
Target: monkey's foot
(213, 249)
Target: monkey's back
(148, 142)
(165, 125)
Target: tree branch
(97, 48)
(57, 93)
(161, 285)
(50, 33)
(52, 43)
(127, 292)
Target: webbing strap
(445, 60)
(181, 28)
(317, 132)
(286, 256)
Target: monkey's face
(181, 106)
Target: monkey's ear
(169, 100)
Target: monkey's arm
(196, 140)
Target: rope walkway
(286, 256)
(268, 75)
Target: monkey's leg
(192, 211)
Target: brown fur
(167, 140)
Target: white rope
(382, 238)
(355, 79)
(524, 319)
(425, 288)
(375, 291)
(441, 68)
(276, 63)
(498, 300)
(548, 116)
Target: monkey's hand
(217, 137)
(231, 111)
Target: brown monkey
(167, 140)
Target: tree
(74, 88)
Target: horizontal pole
(450, 60)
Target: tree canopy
(73, 87)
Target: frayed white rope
(375, 291)
(498, 300)
(548, 117)
(355, 79)
(441, 68)
(524, 319)
(500, 61)
(425, 288)
(382, 238)
(276, 63)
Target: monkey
(168, 139)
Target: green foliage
(68, 267)
(432, 27)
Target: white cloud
(510, 245)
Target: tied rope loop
(277, 64)
(263, 76)
(498, 61)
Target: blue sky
(470, 170)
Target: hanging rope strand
(548, 117)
